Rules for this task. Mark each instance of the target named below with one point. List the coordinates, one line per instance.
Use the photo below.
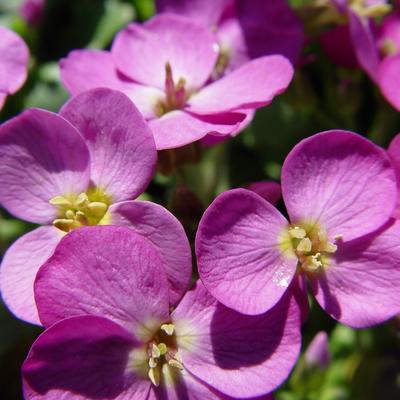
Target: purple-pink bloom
(32, 11)
(317, 353)
(245, 30)
(111, 333)
(340, 193)
(14, 57)
(268, 190)
(81, 167)
(165, 66)
(394, 154)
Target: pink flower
(32, 11)
(245, 30)
(340, 192)
(82, 167)
(165, 66)
(111, 334)
(317, 353)
(14, 57)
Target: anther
(81, 200)
(60, 201)
(154, 375)
(63, 224)
(97, 208)
(168, 329)
(175, 363)
(304, 246)
(297, 233)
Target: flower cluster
(133, 309)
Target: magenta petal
(80, 358)
(361, 286)
(389, 80)
(364, 43)
(240, 355)
(120, 143)
(317, 353)
(268, 190)
(19, 267)
(108, 271)
(143, 51)
(253, 85)
(205, 11)
(88, 69)
(178, 128)
(41, 156)
(270, 27)
(14, 56)
(394, 154)
(238, 255)
(166, 233)
(341, 180)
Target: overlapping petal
(14, 55)
(121, 145)
(19, 267)
(389, 79)
(216, 343)
(253, 85)
(207, 12)
(364, 44)
(80, 71)
(238, 254)
(142, 52)
(107, 271)
(270, 27)
(268, 190)
(41, 156)
(341, 180)
(83, 357)
(166, 233)
(361, 286)
(178, 128)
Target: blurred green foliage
(365, 363)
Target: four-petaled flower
(103, 296)
(81, 168)
(340, 192)
(165, 66)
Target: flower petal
(268, 190)
(14, 56)
(240, 355)
(364, 43)
(270, 27)
(341, 180)
(177, 128)
(238, 254)
(42, 156)
(143, 51)
(166, 233)
(253, 85)
(121, 145)
(83, 357)
(107, 271)
(19, 268)
(389, 80)
(361, 286)
(206, 12)
(394, 154)
(80, 71)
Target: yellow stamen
(154, 375)
(175, 363)
(168, 329)
(304, 246)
